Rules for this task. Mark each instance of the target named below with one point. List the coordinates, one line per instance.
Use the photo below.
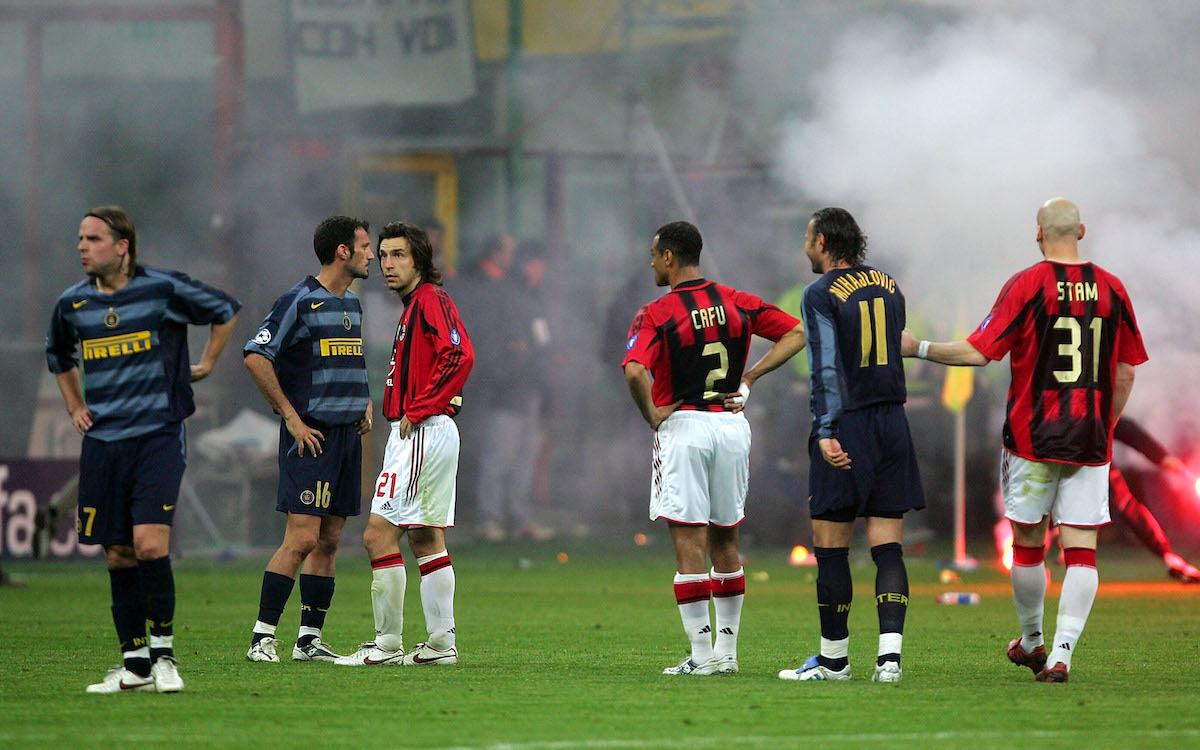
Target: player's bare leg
(316, 592)
(428, 544)
(693, 589)
(1029, 593)
(729, 592)
(299, 540)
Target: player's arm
(218, 337)
(263, 372)
(1122, 387)
(455, 358)
(72, 392)
(637, 377)
(788, 346)
(960, 352)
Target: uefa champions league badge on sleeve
(454, 337)
(632, 340)
(263, 337)
(985, 322)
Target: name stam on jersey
(850, 283)
(1078, 291)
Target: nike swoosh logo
(168, 507)
(135, 685)
(369, 660)
(419, 660)
(79, 304)
(315, 305)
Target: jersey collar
(691, 284)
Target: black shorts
(327, 484)
(883, 480)
(124, 483)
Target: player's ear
(1082, 231)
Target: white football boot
(315, 650)
(264, 650)
(121, 680)
(424, 654)
(812, 670)
(165, 674)
(371, 655)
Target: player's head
(1058, 221)
(108, 241)
(834, 232)
(676, 245)
(406, 257)
(344, 232)
(499, 249)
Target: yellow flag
(960, 381)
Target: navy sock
(276, 588)
(158, 587)
(834, 594)
(316, 594)
(129, 615)
(891, 591)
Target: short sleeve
(278, 330)
(60, 341)
(643, 342)
(196, 303)
(994, 336)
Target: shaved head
(1059, 219)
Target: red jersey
(1066, 327)
(695, 339)
(431, 358)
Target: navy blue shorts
(883, 480)
(328, 484)
(124, 483)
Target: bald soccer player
(1073, 341)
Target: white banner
(355, 53)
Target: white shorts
(418, 482)
(701, 468)
(1072, 495)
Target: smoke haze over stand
(944, 139)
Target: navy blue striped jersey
(314, 339)
(136, 368)
(853, 318)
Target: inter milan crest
(111, 318)
(307, 497)
(346, 320)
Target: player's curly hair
(843, 239)
(683, 239)
(120, 224)
(418, 245)
(335, 231)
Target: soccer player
(1073, 342)
(683, 365)
(415, 491)
(307, 360)
(862, 461)
(131, 321)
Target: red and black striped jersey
(431, 358)
(1065, 327)
(695, 339)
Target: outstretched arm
(950, 353)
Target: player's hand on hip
(832, 451)
(306, 437)
(736, 401)
(406, 428)
(661, 413)
(82, 419)
(364, 425)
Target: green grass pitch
(561, 656)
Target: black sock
(129, 616)
(276, 588)
(891, 591)
(158, 587)
(316, 593)
(834, 594)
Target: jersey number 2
(876, 335)
(718, 372)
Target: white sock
(264, 628)
(387, 601)
(137, 653)
(437, 599)
(692, 592)
(306, 630)
(839, 649)
(1029, 596)
(1074, 605)
(162, 641)
(729, 592)
(890, 643)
